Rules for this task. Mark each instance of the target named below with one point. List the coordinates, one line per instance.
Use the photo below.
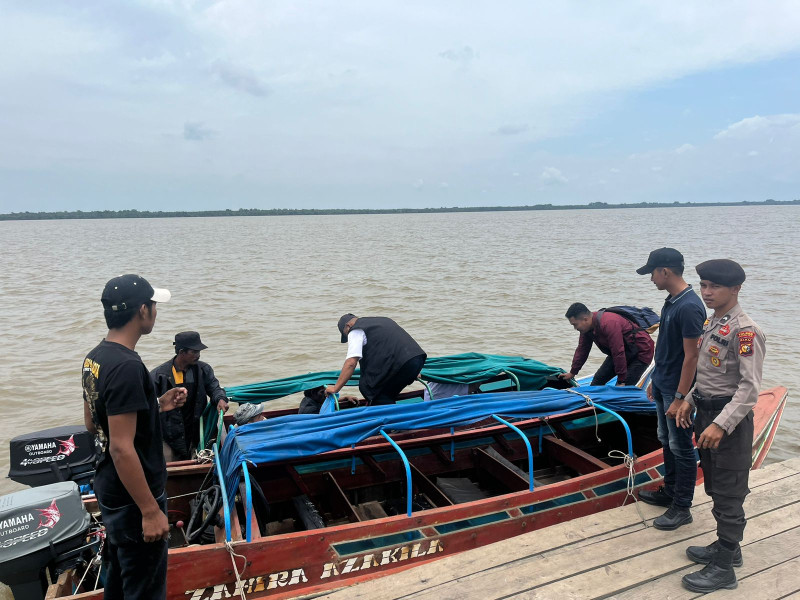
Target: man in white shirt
(390, 358)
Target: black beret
(722, 271)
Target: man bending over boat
(181, 429)
(629, 348)
(732, 352)
(676, 354)
(390, 358)
(121, 407)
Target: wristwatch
(679, 396)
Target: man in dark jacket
(629, 347)
(181, 428)
(390, 358)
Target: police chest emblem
(725, 319)
(713, 350)
(715, 361)
(746, 343)
(725, 330)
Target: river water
(266, 292)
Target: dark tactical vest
(388, 348)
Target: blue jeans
(680, 458)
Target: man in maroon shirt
(629, 347)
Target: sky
(202, 105)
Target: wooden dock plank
(759, 555)
(781, 527)
(525, 563)
(769, 584)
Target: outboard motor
(40, 528)
(66, 453)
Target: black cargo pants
(726, 470)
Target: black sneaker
(657, 498)
(673, 518)
(705, 554)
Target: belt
(710, 402)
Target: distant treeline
(279, 212)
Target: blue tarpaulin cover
(295, 436)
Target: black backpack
(645, 318)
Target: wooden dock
(613, 555)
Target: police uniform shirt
(731, 358)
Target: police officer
(728, 378)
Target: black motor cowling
(41, 527)
(66, 453)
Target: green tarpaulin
(459, 368)
(471, 367)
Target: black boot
(716, 575)
(673, 518)
(657, 498)
(704, 554)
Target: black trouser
(606, 371)
(726, 470)
(395, 384)
(135, 569)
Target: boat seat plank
(459, 489)
(427, 487)
(573, 457)
(339, 499)
(374, 466)
(483, 571)
(509, 478)
(371, 510)
(298, 480)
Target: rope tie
(630, 463)
(594, 409)
(553, 431)
(239, 584)
(204, 456)
(96, 561)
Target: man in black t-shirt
(121, 407)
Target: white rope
(594, 408)
(204, 456)
(96, 560)
(630, 462)
(239, 584)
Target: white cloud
(684, 148)
(552, 176)
(758, 125)
(329, 95)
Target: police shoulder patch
(746, 342)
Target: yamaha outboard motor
(59, 454)
(40, 528)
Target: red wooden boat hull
(300, 563)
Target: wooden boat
(342, 516)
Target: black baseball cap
(130, 292)
(343, 320)
(721, 271)
(663, 257)
(190, 340)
